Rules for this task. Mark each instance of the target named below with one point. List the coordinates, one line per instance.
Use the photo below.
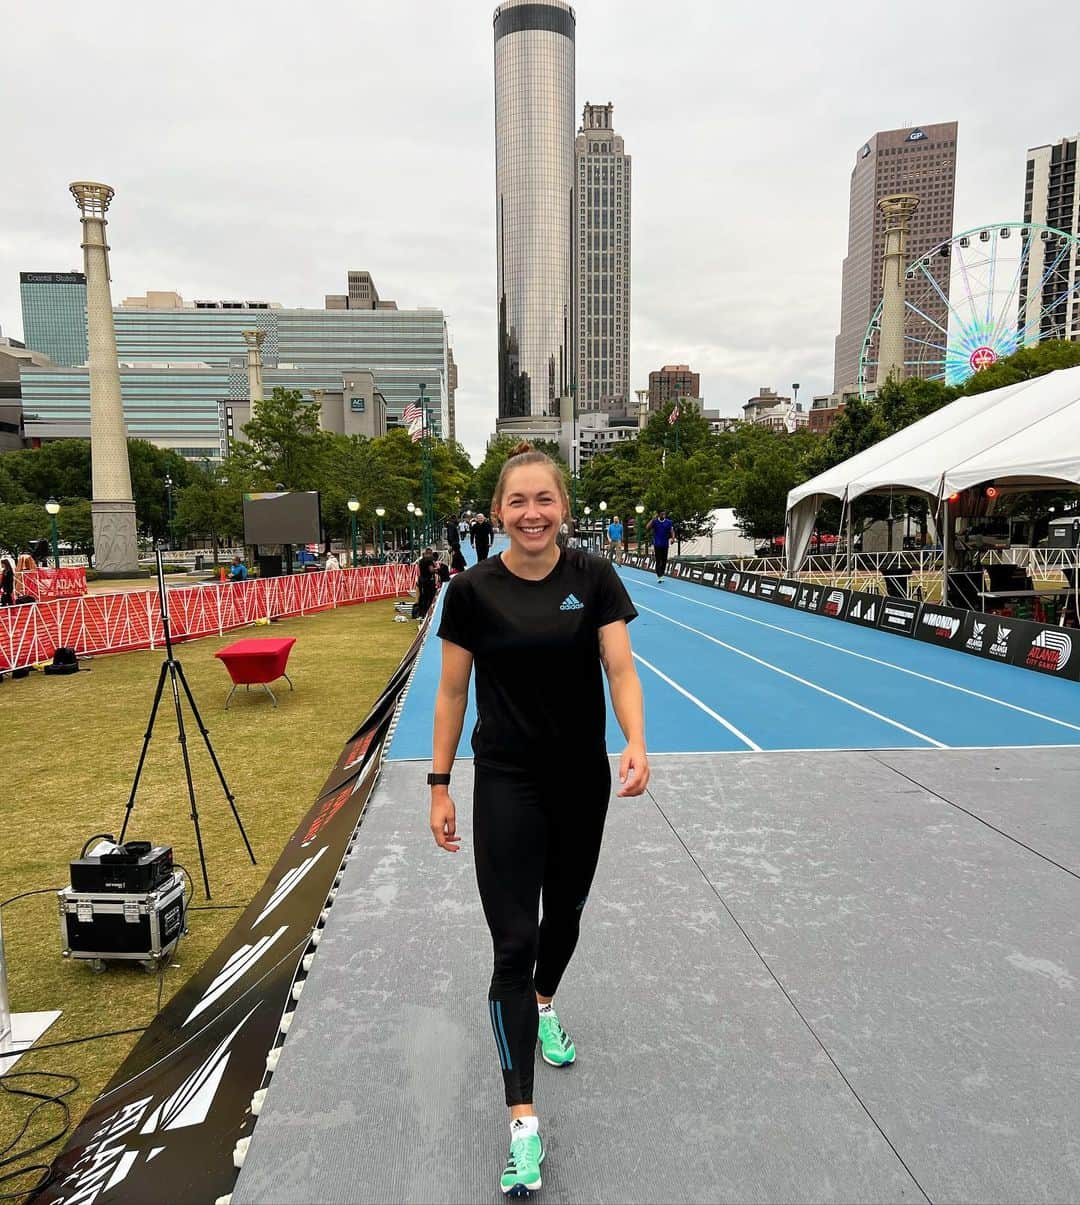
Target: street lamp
(411, 508)
(353, 505)
(379, 512)
(639, 510)
(52, 507)
(168, 494)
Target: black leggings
(661, 560)
(534, 836)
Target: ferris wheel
(979, 296)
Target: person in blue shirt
(661, 528)
(237, 570)
(615, 539)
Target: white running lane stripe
(900, 669)
(802, 681)
(698, 703)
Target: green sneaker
(522, 1174)
(556, 1046)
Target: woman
(538, 621)
(7, 581)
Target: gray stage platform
(802, 977)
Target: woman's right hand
(444, 821)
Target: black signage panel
(1050, 650)
(994, 636)
(833, 602)
(808, 597)
(938, 624)
(786, 592)
(898, 615)
(749, 584)
(864, 608)
(767, 588)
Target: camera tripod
(174, 671)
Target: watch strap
(438, 780)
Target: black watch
(438, 780)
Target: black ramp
(696, 1079)
(1030, 794)
(937, 960)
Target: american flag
(673, 417)
(412, 413)
(416, 430)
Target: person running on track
(539, 622)
(661, 527)
(483, 534)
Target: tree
(765, 468)
(1024, 365)
(75, 525)
(22, 526)
(150, 465)
(211, 506)
(285, 445)
(692, 431)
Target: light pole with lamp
(52, 508)
(421, 531)
(379, 512)
(586, 511)
(639, 510)
(427, 483)
(411, 508)
(168, 495)
(354, 505)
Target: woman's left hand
(633, 771)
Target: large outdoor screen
(282, 518)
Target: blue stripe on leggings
(500, 1035)
(494, 1030)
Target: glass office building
(54, 315)
(178, 365)
(534, 181)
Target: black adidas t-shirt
(539, 684)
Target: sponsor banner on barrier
(749, 584)
(767, 588)
(734, 580)
(786, 592)
(993, 636)
(166, 1125)
(808, 597)
(898, 615)
(943, 625)
(1050, 650)
(48, 584)
(864, 608)
(833, 601)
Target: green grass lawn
(71, 745)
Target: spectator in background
(615, 539)
(7, 581)
(660, 527)
(237, 570)
(426, 578)
(457, 560)
(482, 535)
(331, 562)
(453, 538)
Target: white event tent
(1022, 436)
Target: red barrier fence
(47, 584)
(114, 623)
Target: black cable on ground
(23, 894)
(44, 1099)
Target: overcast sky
(263, 150)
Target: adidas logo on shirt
(570, 603)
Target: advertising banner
(808, 597)
(833, 602)
(786, 592)
(864, 609)
(767, 588)
(748, 584)
(898, 615)
(1050, 650)
(938, 624)
(166, 1126)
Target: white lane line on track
(698, 703)
(802, 681)
(900, 669)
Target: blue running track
(724, 673)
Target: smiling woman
(539, 621)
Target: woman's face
(531, 509)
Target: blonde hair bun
(521, 448)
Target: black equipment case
(140, 927)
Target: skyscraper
(534, 185)
(1051, 199)
(920, 161)
(602, 343)
(54, 315)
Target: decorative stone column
(896, 211)
(254, 341)
(112, 508)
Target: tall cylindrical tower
(534, 183)
(116, 550)
(254, 341)
(896, 211)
